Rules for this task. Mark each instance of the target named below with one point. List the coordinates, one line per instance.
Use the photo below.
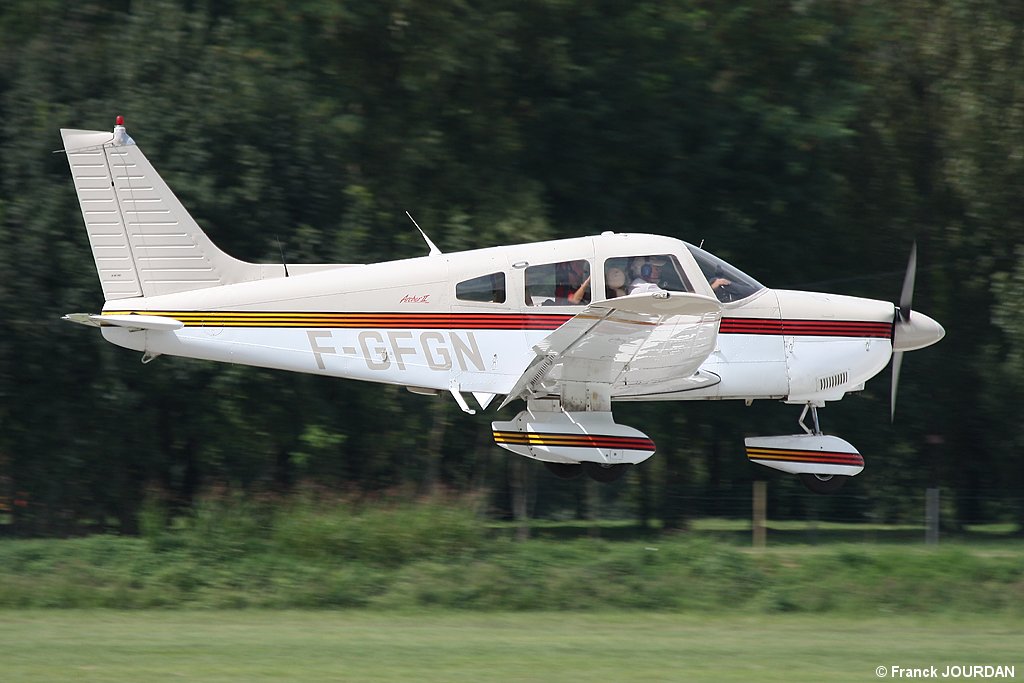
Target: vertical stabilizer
(143, 240)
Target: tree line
(809, 143)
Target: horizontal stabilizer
(129, 321)
(805, 453)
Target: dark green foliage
(388, 534)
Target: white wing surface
(635, 345)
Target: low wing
(643, 343)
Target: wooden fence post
(760, 508)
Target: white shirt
(642, 286)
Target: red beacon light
(121, 136)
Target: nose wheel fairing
(805, 454)
(823, 462)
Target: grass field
(439, 555)
(260, 645)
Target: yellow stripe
(550, 440)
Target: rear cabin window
(485, 289)
(566, 283)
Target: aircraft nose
(918, 332)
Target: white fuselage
(403, 322)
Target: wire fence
(792, 516)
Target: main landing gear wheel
(605, 474)
(823, 483)
(564, 470)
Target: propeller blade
(897, 362)
(907, 295)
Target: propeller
(907, 295)
(902, 319)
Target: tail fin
(143, 239)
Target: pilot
(614, 282)
(646, 272)
(717, 282)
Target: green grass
(400, 555)
(214, 646)
(670, 574)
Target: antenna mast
(434, 251)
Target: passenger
(646, 272)
(573, 282)
(614, 282)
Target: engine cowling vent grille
(833, 381)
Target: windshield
(728, 282)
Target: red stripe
(845, 460)
(807, 328)
(750, 326)
(476, 321)
(799, 452)
(579, 441)
(552, 440)
(854, 462)
(822, 457)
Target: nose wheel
(823, 483)
(605, 474)
(564, 470)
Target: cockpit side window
(566, 283)
(486, 288)
(728, 282)
(646, 273)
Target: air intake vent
(833, 381)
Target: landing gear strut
(814, 416)
(818, 483)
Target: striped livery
(807, 328)
(805, 456)
(494, 321)
(560, 436)
(573, 440)
(369, 320)
(805, 453)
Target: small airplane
(569, 326)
